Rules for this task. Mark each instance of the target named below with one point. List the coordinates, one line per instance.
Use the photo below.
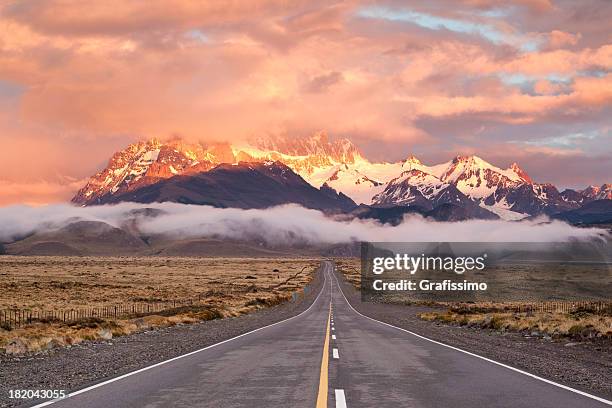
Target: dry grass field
(582, 323)
(351, 269)
(222, 286)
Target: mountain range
(328, 175)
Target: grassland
(351, 269)
(224, 287)
(580, 324)
(583, 323)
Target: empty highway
(328, 356)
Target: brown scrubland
(577, 323)
(179, 290)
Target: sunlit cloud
(433, 22)
(572, 141)
(80, 80)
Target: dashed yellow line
(323, 379)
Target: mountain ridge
(241, 185)
(466, 181)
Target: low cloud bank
(287, 224)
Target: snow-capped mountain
(145, 163)
(148, 162)
(315, 158)
(350, 179)
(315, 146)
(465, 181)
(591, 193)
(416, 187)
(598, 193)
(240, 185)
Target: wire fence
(566, 307)
(15, 318)
(590, 306)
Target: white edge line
(46, 403)
(565, 387)
(340, 398)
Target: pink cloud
(587, 94)
(544, 87)
(109, 73)
(560, 39)
(37, 193)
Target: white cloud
(289, 224)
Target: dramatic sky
(509, 80)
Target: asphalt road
(330, 355)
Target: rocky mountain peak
(412, 160)
(318, 145)
(598, 193)
(143, 163)
(521, 173)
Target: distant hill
(94, 238)
(79, 238)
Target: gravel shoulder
(585, 366)
(89, 363)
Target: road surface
(330, 355)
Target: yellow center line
(323, 379)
